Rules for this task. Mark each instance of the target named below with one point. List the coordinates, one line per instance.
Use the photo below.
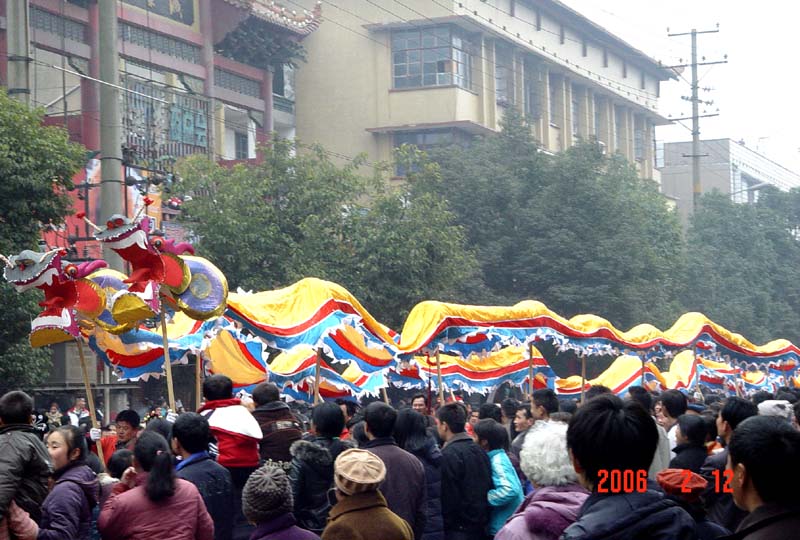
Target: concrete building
(199, 77)
(428, 72)
(728, 166)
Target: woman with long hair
(67, 510)
(410, 433)
(151, 502)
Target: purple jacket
(545, 513)
(283, 527)
(67, 510)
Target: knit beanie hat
(357, 471)
(682, 483)
(267, 494)
(776, 407)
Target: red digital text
(617, 481)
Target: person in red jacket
(238, 434)
(150, 502)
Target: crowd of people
(650, 466)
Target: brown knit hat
(357, 471)
(267, 494)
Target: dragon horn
(88, 221)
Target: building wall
(346, 99)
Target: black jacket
(280, 429)
(312, 476)
(214, 483)
(431, 458)
(24, 469)
(719, 505)
(466, 481)
(688, 456)
(769, 521)
(631, 516)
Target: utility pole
(111, 187)
(19, 58)
(697, 190)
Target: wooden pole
(90, 398)
(167, 363)
(644, 363)
(583, 377)
(530, 372)
(198, 380)
(439, 376)
(317, 375)
(385, 396)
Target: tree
(579, 230)
(36, 166)
(744, 265)
(299, 215)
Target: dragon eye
(158, 242)
(71, 270)
(110, 224)
(119, 222)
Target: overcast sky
(757, 92)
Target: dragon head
(31, 269)
(121, 232)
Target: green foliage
(36, 165)
(744, 265)
(578, 231)
(299, 215)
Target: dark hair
(350, 406)
(192, 431)
(596, 390)
(640, 395)
(419, 395)
(490, 410)
(380, 418)
(788, 396)
(130, 416)
(769, 448)
(410, 430)
(568, 406)
(16, 407)
(152, 454)
(674, 403)
(761, 395)
(217, 387)
(359, 434)
(328, 419)
(608, 434)
(454, 415)
(266, 392)
(74, 438)
(544, 397)
(561, 416)
(118, 462)
(736, 410)
(509, 407)
(693, 427)
(160, 426)
(527, 409)
(491, 431)
(711, 426)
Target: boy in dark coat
(24, 461)
(279, 427)
(763, 454)
(190, 436)
(607, 439)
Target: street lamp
(751, 188)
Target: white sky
(757, 92)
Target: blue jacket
(67, 510)
(215, 485)
(506, 495)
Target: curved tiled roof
(273, 13)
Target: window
(642, 81)
(435, 56)
(427, 140)
(605, 58)
(555, 101)
(533, 91)
(538, 20)
(283, 81)
(598, 118)
(561, 34)
(619, 128)
(624, 70)
(584, 48)
(504, 73)
(575, 112)
(241, 144)
(638, 140)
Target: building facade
(727, 166)
(428, 72)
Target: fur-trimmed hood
(319, 451)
